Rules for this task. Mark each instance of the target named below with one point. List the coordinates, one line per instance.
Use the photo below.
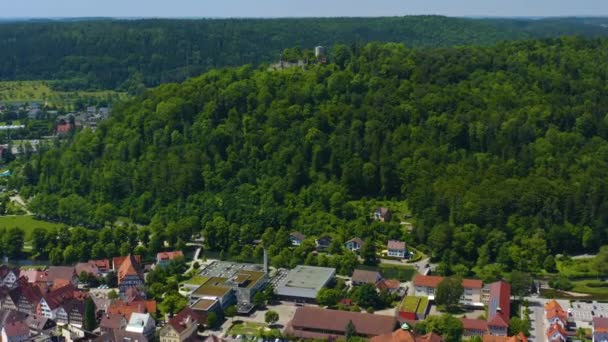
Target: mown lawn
(247, 328)
(27, 223)
(390, 271)
(41, 91)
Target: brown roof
(394, 244)
(31, 293)
(428, 281)
(57, 297)
(333, 320)
(18, 328)
(180, 321)
(368, 277)
(86, 267)
(5, 270)
(553, 310)
(517, 338)
(357, 240)
(474, 324)
(600, 323)
(113, 321)
(472, 283)
(169, 255)
(298, 236)
(60, 273)
(102, 264)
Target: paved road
(537, 319)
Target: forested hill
(131, 54)
(500, 151)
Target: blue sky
(300, 8)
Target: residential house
(396, 249)
(16, 332)
(117, 261)
(111, 321)
(103, 265)
(59, 276)
(40, 325)
(52, 300)
(88, 268)
(6, 299)
(392, 286)
(75, 311)
(315, 323)
(129, 275)
(63, 129)
(383, 214)
(600, 329)
(296, 238)
(555, 314)
(142, 324)
(323, 242)
(120, 335)
(8, 316)
(405, 334)
(26, 298)
(426, 285)
(9, 276)
(556, 333)
(361, 277)
(354, 244)
(164, 258)
(127, 308)
(181, 327)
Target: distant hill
(130, 54)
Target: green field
(248, 328)
(577, 268)
(389, 271)
(27, 223)
(41, 91)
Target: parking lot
(582, 311)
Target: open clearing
(27, 223)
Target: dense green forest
(500, 151)
(131, 54)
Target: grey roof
(305, 281)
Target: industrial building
(303, 283)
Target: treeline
(132, 54)
(500, 151)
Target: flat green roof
(213, 287)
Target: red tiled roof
(57, 297)
(428, 281)
(388, 284)
(5, 270)
(600, 323)
(393, 244)
(18, 328)
(474, 324)
(126, 309)
(63, 274)
(129, 267)
(169, 255)
(553, 310)
(472, 283)
(117, 261)
(180, 321)
(113, 321)
(64, 128)
(500, 298)
(555, 328)
(498, 321)
(333, 320)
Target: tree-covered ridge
(128, 54)
(500, 151)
